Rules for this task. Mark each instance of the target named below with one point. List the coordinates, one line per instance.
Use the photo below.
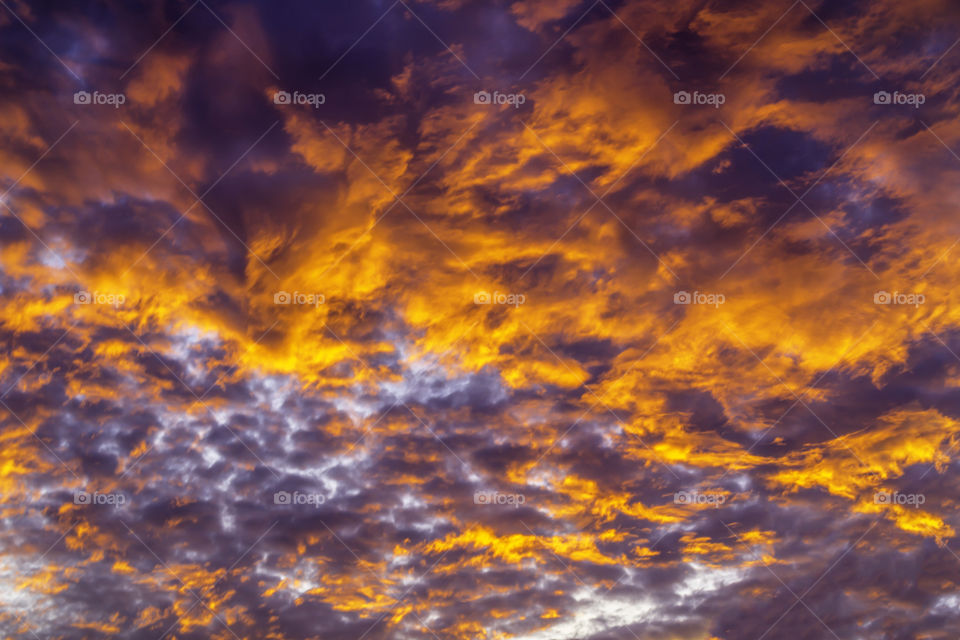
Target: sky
(479, 320)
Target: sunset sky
(479, 320)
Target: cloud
(600, 362)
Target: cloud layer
(469, 320)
